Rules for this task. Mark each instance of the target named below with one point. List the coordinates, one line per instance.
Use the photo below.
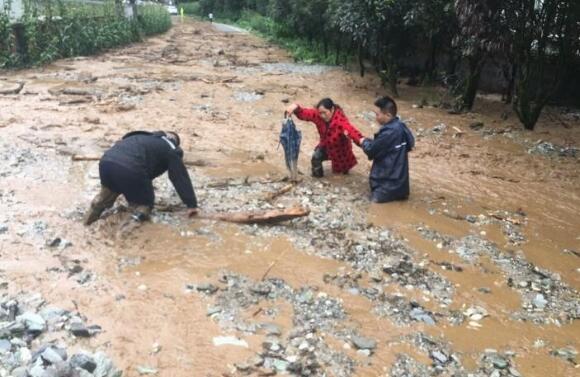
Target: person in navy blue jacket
(389, 178)
(131, 165)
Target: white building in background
(16, 8)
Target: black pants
(137, 188)
(318, 157)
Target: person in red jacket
(336, 133)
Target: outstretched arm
(352, 132)
(302, 113)
(179, 177)
(374, 147)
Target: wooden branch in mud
(273, 195)
(258, 217)
(245, 182)
(15, 90)
(220, 81)
(198, 163)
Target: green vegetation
(190, 9)
(54, 29)
(535, 44)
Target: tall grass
(301, 49)
(54, 29)
(191, 9)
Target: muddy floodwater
(476, 274)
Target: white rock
(219, 341)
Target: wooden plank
(258, 217)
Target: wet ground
(478, 273)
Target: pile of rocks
(546, 298)
(304, 350)
(549, 149)
(34, 339)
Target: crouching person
(130, 167)
(389, 178)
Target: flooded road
(478, 272)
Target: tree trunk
(393, 78)
(338, 46)
(472, 82)
(430, 63)
(389, 74)
(528, 107)
(511, 84)
(361, 61)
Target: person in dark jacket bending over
(389, 179)
(130, 167)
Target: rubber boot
(318, 156)
(104, 199)
(138, 215)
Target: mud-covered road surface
(476, 274)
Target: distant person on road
(210, 16)
(336, 133)
(389, 178)
(130, 167)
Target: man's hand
(291, 109)
(192, 212)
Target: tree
(545, 38)
(477, 38)
(381, 30)
(436, 25)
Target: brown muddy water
(225, 94)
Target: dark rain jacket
(151, 154)
(389, 179)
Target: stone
(566, 352)
(84, 277)
(53, 356)
(420, 315)
(210, 289)
(51, 314)
(280, 365)
(262, 289)
(471, 219)
(5, 346)
(476, 126)
(243, 367)
(63, 369)
(36, 371)
(439, 357)
(156, 348)
(540, 301)
(145, 370)
(34, 323)
(365, 352)
(25, 355)
(83, 361)
(271, 329)
(105, 367)
(257, 361)
(363, 343)
(219, 341)
(79, 329)
(14, 329)
(499, 362)
(19, 372)
(3, 228)
(213, 310)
